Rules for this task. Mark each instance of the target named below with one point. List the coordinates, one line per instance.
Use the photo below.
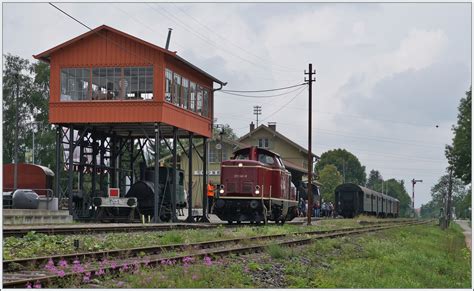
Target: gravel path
(467, 232)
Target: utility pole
(257, 110)
(448, 202)
(310, 81)
(413, 182)
(17, 133)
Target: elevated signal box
(110, 93)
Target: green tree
(44, 132)
(459, 153)
(16, 79)
(396, 189)
(375, 180)
(330, 178)
(461, 196)
(346, 163)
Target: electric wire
(231, 42)
(206, 40)
(261, 96)
(265, 90)
(105, 37)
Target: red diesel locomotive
(256, 187)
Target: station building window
(199, 100)
(112, 83)
(205, 102)
(263, 143)
(192, 96)
(176, 89)
(186, 94)
(168, 82)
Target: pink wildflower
(76, 261)
(146, 262)
(207, 261)
(61, 273)
(163, 262)
(100, 272)
(62, 263)
(120, 284)
(37, 285)
(113, 265)
(28, 285)
(86, 279)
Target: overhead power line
(233, 43)
(261, 96)
(103, 36)
(265, 90)
(209, 41)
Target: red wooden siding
(117, 50)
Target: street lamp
(413, 182)
(33, 130)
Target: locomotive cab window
(242, 156)
(266, 159)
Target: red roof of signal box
(45, 56)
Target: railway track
(107, 228)
(99, 262)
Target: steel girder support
(156, 208)
(70, 168)
(175, 176)
(190, 179)
(204, 182)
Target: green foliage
(277, 251)
(33, 95)
(459, 154)
(396, 189)
(330, 178)
(461, 197)
(375, 181)
(346, 163)
(410, 257)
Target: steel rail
(21, 279)
(101, 228)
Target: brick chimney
(272, 125)
(252, 126)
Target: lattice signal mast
(257, 110)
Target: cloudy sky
(387, 73)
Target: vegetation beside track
(410, 257)
(37, 244)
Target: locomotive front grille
(247, 187)
(231, 187)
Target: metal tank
(25, 199)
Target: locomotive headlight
(240, 165)
(257, 190)
(221, 190)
